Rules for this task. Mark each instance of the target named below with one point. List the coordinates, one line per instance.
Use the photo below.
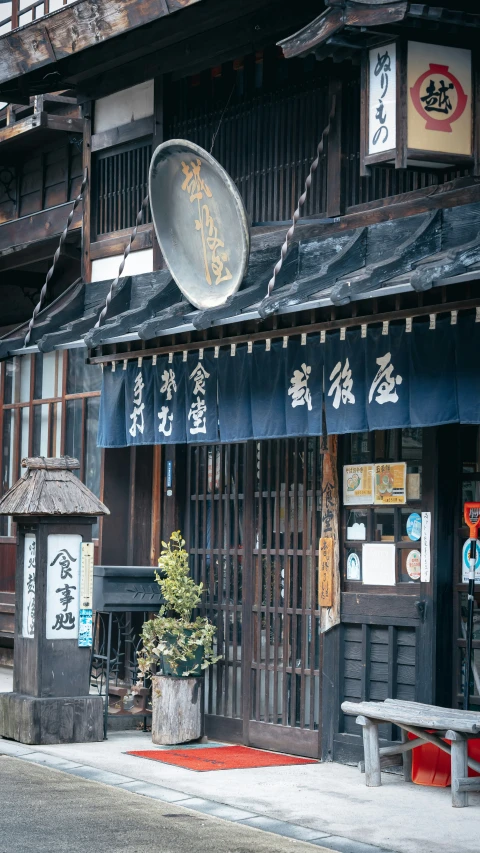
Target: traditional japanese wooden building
(337, 400)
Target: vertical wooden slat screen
(259, 142)
(121, 185)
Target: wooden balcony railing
(17, 13)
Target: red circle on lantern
(436, 123)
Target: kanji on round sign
(439, 98)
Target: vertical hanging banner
(201, 398)
(387, 374)
(345, 383)
(111, 422)
(63, 586)
(268, 391)
(382, 98)
(433, 389)
(304, 384)
(85, 616)
(139, 403)
(425, 552)
(169, 400)
(467, 344)
(234, 410)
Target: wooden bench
(412, 717)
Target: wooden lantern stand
(54, 513)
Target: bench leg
(459, 769)
(371, 751)
(407, 758)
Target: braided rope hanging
(301, 200)
(128, 249)
(63, 237)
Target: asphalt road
(46, 811)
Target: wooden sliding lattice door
(253, 524)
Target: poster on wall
(439, 85)
(382, 99)
(29, 569)
(357, 485)
(63, 586)
(378, 564)
(390, 483)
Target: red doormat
(220, 758)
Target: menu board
(357, 485)
(390, 483)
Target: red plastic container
(431, 766)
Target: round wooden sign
(200, 222)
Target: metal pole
(468, 645)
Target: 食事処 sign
(63, 585)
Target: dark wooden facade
(251, 511)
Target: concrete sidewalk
(329, 799)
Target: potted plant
(176, 649)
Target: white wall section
(123, 107)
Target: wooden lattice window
(121, 185)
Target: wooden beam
(87, 198)
(75, 28)
(124, 133)
(158, 118)
(311, 328)
(114, 244)
(17, 234)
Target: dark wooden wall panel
(8, 550)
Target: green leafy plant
(172, 640)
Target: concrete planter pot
(177, 709)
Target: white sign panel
(29, 567)
(425, 540)
(378, 564)
(63, 585)
(382, 99)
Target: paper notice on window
(390, 481)
(378, 564)
(357, 485)
(425, 540)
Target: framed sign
(357, 485)
(439, 98)
(390, 483)
(63, 586)
(416, 105)
(29, 570)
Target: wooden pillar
(87, 210)
(459, 767)
(335, 194)
(173, 490)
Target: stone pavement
(324, 804)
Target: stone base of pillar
(31, 720)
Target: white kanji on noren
(166, 419)
(197, 414)
(342, 384)
(169, 383)
(199, 374)
(139, 405)
(299, 390)
(384, 386)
